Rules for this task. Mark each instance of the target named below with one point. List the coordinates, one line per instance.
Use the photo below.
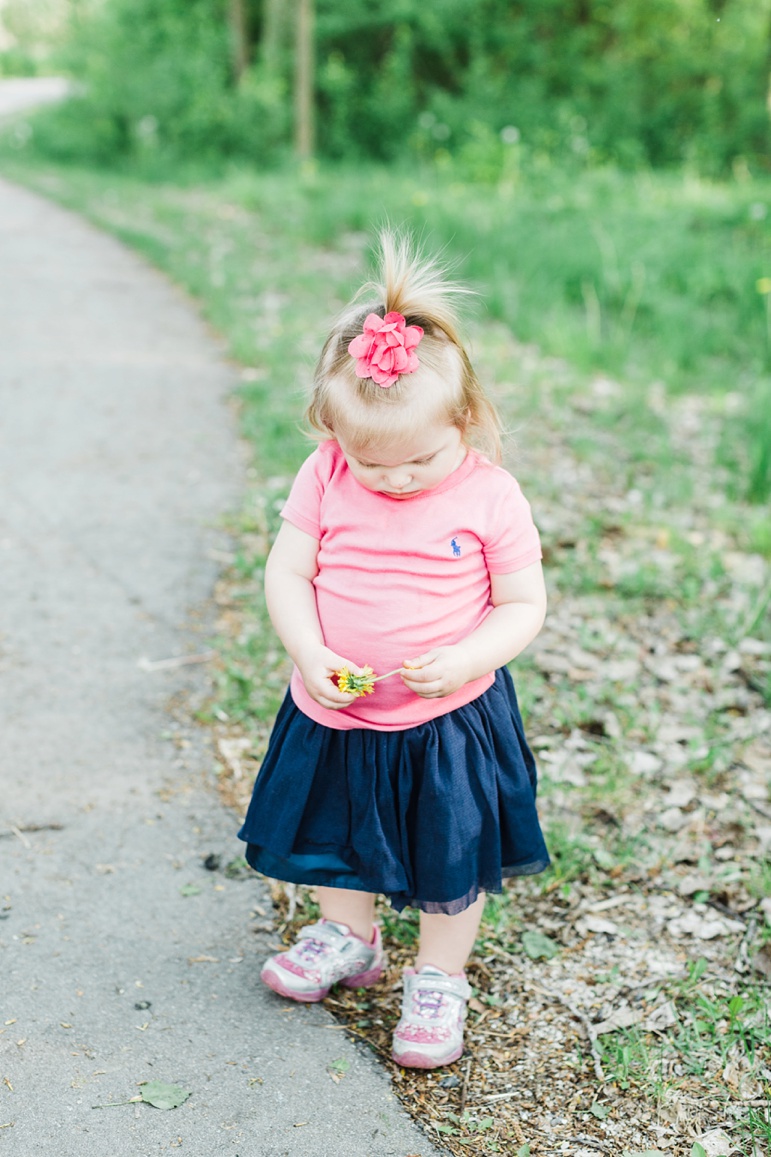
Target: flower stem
(388, 675)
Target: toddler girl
(402, 547)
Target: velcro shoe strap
(325, 935)
(452, 985)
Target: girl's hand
(317, 669)
(438, 672)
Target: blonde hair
(443, 389)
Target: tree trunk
(304, 128)
(239, 37)
(276, 35)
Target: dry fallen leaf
(717, 1143)
(232, 750)
(621, 1018)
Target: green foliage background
(601, 166)
(635, 82)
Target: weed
(403, 927)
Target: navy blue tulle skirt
(430, 816)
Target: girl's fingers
(425, 688)
(336, 663)
(421, 661)
(419, 678)
(333, 700)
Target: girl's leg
(446, 941)
(346, 906)
(430, 1031)
(326, 955)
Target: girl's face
(420, 463)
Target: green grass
(650, 277)
(715, 1024)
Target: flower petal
(360, 346)
(372, 323)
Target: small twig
(384, 1053)
(521, 1139)
(16, 829)
(587, 1027)
(464, 1090)
(117, 1104)
(651, 982)
(291, 895)
(763, 811)
(726, 911)
(23, 839)
(742, 962)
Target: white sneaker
(430, 1032)
(325, 953)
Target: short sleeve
(511, 541)
(303, 506)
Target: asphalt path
(122, 958)
(25, 93)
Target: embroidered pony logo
(455, 548)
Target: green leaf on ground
(189, 890)
(599, 1111)
(163, 1096)
(337, 1069)
(537, 946)
(604, 859)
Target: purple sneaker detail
(430, 1032)
(325, 953)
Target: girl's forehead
(414, 446)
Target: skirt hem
(291, 870)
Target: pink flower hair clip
(386, 349)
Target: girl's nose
(398, 481)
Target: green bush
(17, 61)
(157, 82)
(633, 83)
(638, 81)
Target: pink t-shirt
(400, 576)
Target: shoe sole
(273, 979)
(423, 1061)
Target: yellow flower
(351, 684)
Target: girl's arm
(291, 599)
(519, 609)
